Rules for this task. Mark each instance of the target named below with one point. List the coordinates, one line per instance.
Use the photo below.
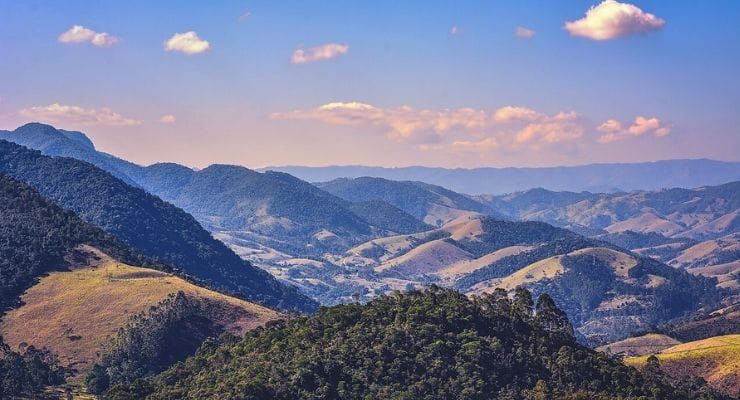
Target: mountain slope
(276, 205)
(37, 237)
(268, 211)
(146, 223)
(436, 344)
(434, 205)
(74, 313)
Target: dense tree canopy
(433, 344)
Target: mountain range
(593, 177)
(154, 255)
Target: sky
(383, 83)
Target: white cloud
(187, 42)
(80, 34)
(74, 115)
(612, 19)
(524, 33)
(612, 130)
(168, 119)
(319, 53)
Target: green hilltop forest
(433, 344)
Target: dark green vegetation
(422, 200)
(26, 374)
(435, 344)
(146, 223)
(151, 342)
(37, 236)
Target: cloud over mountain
(612, 130)
(612, 19)
(76, 116)
(470, 129)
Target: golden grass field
(716, 359)
(75, 313)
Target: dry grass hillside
(716, 359)
(641, 345)
(74, 313)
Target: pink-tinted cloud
(612, 19)
(470, 129)
(168, 119)
(612, 130)
(319, 53)
(76, 116)
(524, 33)
(80, 34)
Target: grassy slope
(75, 313)
(641, 345)
(716, 359)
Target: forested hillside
(146, 223)
(435, 344)
(37, 236)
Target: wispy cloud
(168, 119)
(319, 53)
(470, 129)
(612, 130)
(75, 115)
(244, 16)
(612, 19)
(524, 33)
(187, 42)
(80, 34)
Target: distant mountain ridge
(591, 177)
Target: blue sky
(242, 101)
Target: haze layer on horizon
(379, 83)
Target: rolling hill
(716, 359)
(75, 313)
(149, 225)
